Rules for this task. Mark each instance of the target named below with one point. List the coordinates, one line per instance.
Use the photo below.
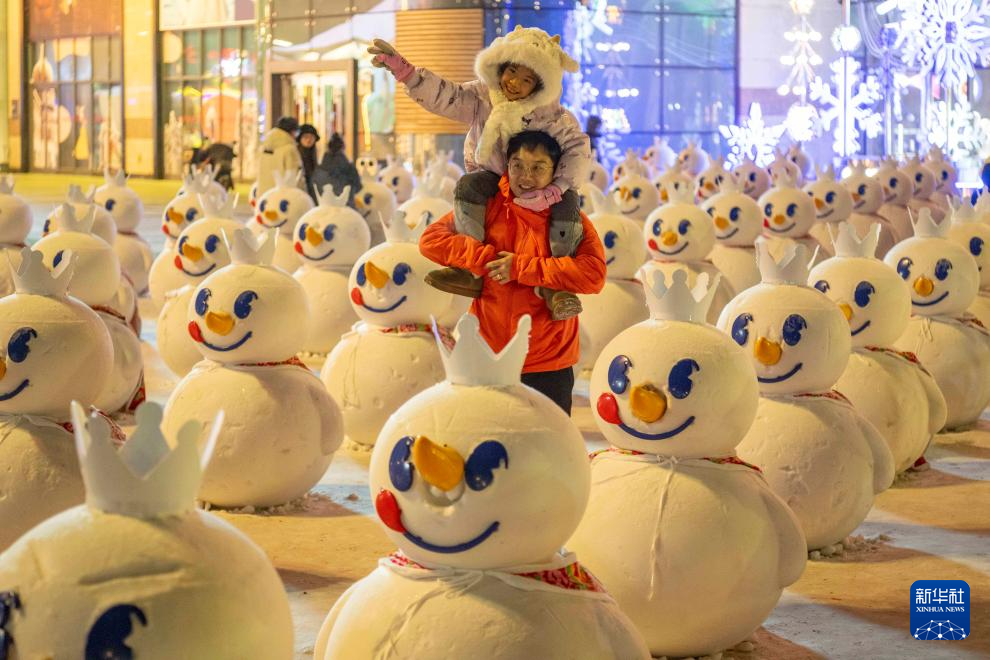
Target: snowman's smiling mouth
(782, 229)
(826, 214)
(732, 233)
(303, 254)
(197, 334)
(859, 204)
(274, 226)
(608, 410)
(780, 379)
(390, 514)
(192, 274)
(632, 210)
(673, 252)
(931, 302)
(609, 261)
(17, 390)
(860, 329)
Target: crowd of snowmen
(771, 348)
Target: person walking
(308, 137)
(278, 152)
(336, 171)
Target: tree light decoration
(802, 122)
(802, 58)
(753, 138)
(851, 107)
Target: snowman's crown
(67, 219)
(431, 184)
(286, 178)
(848, 243)
(328, 198)
(398, 231)
(633, 165)
(680, 195)
(7, 184)
(198, 182)
(75, 195)
(792, 266)
(473, 362)
(935, 154)
(963, 212)
(247, 249)
(730, 183)
(33, 277)
(887, 164)
(857, 168)
(982, 206)
(217, 206)
(675, 301)
(602, 203)
(118, 178)
(925, 225)
(782, 178)
(147, 477)
(826, 173)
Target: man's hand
(386, 56)
(539, 200)
(500, 269)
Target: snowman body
(693, 159)
(636, 196)
(398, 179)
(690, 542)
(15, 224)
(182, 211)
(946, 194)
(424, 208)
(673, 182)
(374, 201)
(738, 223)
(598, 176)
(974, 237)
(868, 197)
(924, 183)
(280, 208)
(897, 192)
(127, 210)
(709, 182)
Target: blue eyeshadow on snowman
(280, 208)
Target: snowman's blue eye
(657, 226)
(211, 243)
(47, 228)
(203, 301)
(683, 227)
(768, 210)
(17, 347)
(400, 273)
(945, 175)
(752, 176)
(110, 203)
(328, 232)
(610, 237)
(618, 370)
(942, 268)
(710, 211)
(360, 277)
(283, 206)
(679, 381)
(263, 205)
(400, 469)
(791, 210)
(368, 198)
(976, 246)
(58, 258)
(108, 637)
(735, 213)
(480, 466)
(302, 231)
(904, 267)
(740, 328)
(829, 197)
(191, 214)
(863, 292)
(636, 193)
(918, 177)
(793, 325)
(242, 306)
(822, 286)
(893, 182)
(395, 181)
(862, 189)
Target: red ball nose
(356, 296)
(299, 247)
(195, 332)
(389, 511)
(608, 409)
(178, 262)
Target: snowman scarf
(10, 422)
(904, 355)
(140, 393)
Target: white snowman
(973, 235)
(95, 281)
(632, 164)
(821, 456)
(680, 236)
(946, 176)
(782, 165)
(801, 160)
(659, 156)
(954, 346)
(201, 250)
(621, 303)
(709, 182)
(280, 208)
(138, 571)
(367, 166)
(673, 397)
(390, 355)
(127, 210)
(897, 192)
(889, 388)
(833, 204)
(633, 192)
(329, 240)
(253, 195)
(788, 212)
(206, 177)
(924, 188)
(427, 204)
(249, 320)
(868, 196)
(479, 480)
(373, 201)
(738, 223)
(754, 179)
(693, 159)
(81, 202)
(597, 174)
(398, 179)
(56, 350)
(445, 159)
(15, 225)
(671, 182)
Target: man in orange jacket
(516, 259)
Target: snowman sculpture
(951, 343)
(398, 179)
(833, 204)
(137, 571)
(427, 204)
(924, 187)
(631, 164)
(329, 240)
(95, 281)
(738, 223)
(205, 177)
(659, 156)
(810, 441)
(389, 356)
(693, 159)
(868, 196)
(597, 174)
(127, 211)
(200, 251)
(680, 236)
(674, 396)
(81, 203)
(782, 165)
(445, 159)
(182, 211)
(946, 176)
(671, 182)
(636, 196)
(788, 212)
(970, 232)
(801, 160)
(889, 388)
(15, 225)
(280, 208)
(897, 192)
(479, 480)
(709, 182)
(754, 179)
(367, 166)
(621, 302)
(56, 350)
(249, 319)
(375, 200)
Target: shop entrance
(323, 94)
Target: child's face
(518, 82)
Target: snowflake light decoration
(753, 138)
(967, 129)
(802, 58)
(851, 107)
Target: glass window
(697, 99)
(84, 58)
(101, 58)
(211, 52)
(66, 126)
(82, 150)
(700, 41)
(191, 53)
(66, 58)
(116, 59)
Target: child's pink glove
(388, 57)
(539, 200)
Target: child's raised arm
(460, 102)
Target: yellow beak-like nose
(358, 202)
(175, 216)
(271, 215)
(375, 275)
(191, 252)
(664, 195)
(847, 311)
(924, 286)
(221, 324)
(779, 219)
(669, 238)
(721, 223)
(856, 197)
(313, 237)
(648, 403)
(709, 186)
(3, 368)
(440, 465)
(767, 352)
(819, 204)
(625, 194)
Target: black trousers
(557, 385)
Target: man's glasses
(538, 170)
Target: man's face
(308, 140)
(530, 169)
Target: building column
(12, 56)
(139, 43)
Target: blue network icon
(940, 630)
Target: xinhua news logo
(940, 610)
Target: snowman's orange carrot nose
(440, 466)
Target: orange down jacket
(553, 344)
